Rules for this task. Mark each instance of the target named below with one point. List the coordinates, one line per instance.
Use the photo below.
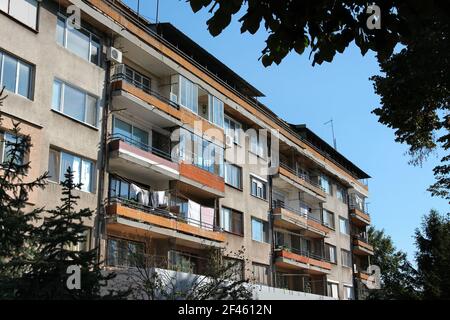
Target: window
(232, 221)
(341, 193)
(325, 184)
(15, 75)
(6, 145)
(258, 144)
(26, 11)
(260, 273)
(83, 169)
(74, 103)
(137, 79)
(346, 258)
(259, 230)
(233, 129)
(188, 94)
(78, 40)
(333, 290)
(348, 292)
(233, 175)
(344, 227)
(328, 219)
(124, 253)
(183, 262)
(201, 152)
(83, 245)
(258, 188)
(216, 110)
(130, 133)
(330, 253)
(235, 268)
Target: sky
(341, 91)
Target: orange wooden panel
(201, 176)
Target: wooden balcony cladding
(362, 248)
(202, 177)
(358, 217)
(185, 116)
(286, 218)
(160, 221)
(304, 260)
(284, 172)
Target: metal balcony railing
(302, 252)
(118, 73)
(282, 205)
(164, 211)
(362, 237)
(304, 177)
(301, 283)
(140, 145)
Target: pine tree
(433, 256)
(16, 216)
(57, 239)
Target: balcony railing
(300, 283)
(362, 237)
(164, 211)
(118, 74)
(310, 216)
(140, 145)
(175, 261)
(302, 252)
(304, 177)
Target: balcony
(202, 179)
(289, 258)
(359, 216)
(130, 217)
(361, 246)
(289, 177)
(301, 283)
(165, 112)
(293, 219)
(140, 160)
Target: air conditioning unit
(114, 55)
(229, 140)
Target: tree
(414, 88)
(398, 277)
(221, 279)
(16, 216)
(56, 242)
(433, 256)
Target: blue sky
(341, 90)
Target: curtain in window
(24, 11)
(188, 94)
(257, 230)
(226, 219)
(86, 175)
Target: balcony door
(130, 133)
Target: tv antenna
(332, 132)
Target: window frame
(91, 36)
(237, 130)
(60, 174)
(18, 62)
(329, 247)
(265, 233)
(264, 189)
(34, 29)
(60, 108)
(347, 226)
(233, 228)
(126, 242)
(325, 213)
(349, 258)
(240, 176)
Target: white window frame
(237, 132)
(91, 35)
(347, 226)
(86, 95)
(18, 63)
(61, 174)
(36, 22)
(258, 181)
(239, 170)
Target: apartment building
(175, 153)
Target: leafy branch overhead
(324, 26)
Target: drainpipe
(271, 234)
(103, 156)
